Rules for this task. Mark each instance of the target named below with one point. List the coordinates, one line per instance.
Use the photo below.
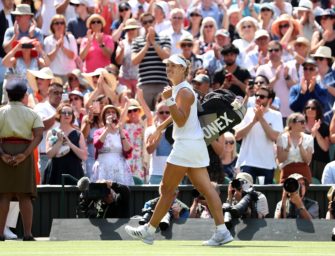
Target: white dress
(111, 164)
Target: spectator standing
(118, 25)
(63, 161)
(295, 148)
(207, 36)
(21, 132)
(148, 51)
(328, 174)
(96, 48)
(161, 12)
(229, 156)
(195, 19)
(260, 127)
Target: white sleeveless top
(192, 129)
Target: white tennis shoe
(140, 233)
(219, 238)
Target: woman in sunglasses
(207, 36)
(117, 28)
(112, 149)
(195, 19)
(61, 47)
(65, 148)
(320, 132)
(295, 148)
(96, 48)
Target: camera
(97, 191)
(27, 46)
(147, 213)
(291, 185)
(165, 222)
(196, 194)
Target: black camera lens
(236, 183)
(291, 185)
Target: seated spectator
(161, 12)
(65, 147)
(61, 47)
(229, 155)
(96, 48)
(112, 149)
(319, 130)
(243, 201)
(199, 207)
(328, 174)
(295, 148)
(207, 36)
(294, 204)
(307, 88)
(201, 85)
(76, 81)
(76, 25)
(113, 202)
(195, 19)
(331, 205)
(160, 148)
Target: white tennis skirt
(189, 153)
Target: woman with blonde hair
(207, 36)
(246, 29)
(61, 48)
(295, 148)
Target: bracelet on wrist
(170, 102)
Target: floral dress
(136, 162)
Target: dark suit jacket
(3, 28)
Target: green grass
(168, 248)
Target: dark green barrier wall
(48, 204)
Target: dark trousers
(256, 171)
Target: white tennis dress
(189, 148)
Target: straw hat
(188, 38)
(131, 24)
(110, 107)
(44, 73)
(25, 40)
(323, 51)
(95, 16)
(110, 78)
(285, 18)
(82, 80)
(302, 40)
(22, 9)
(134, 104)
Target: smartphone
(27, 46)
(96, 107)
(251, 83)
(229, 77)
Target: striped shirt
(152, 70)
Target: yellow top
(17, 120)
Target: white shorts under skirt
(189, 153)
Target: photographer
(199, 208)
(331, 205)
(103, 199)
(294, 204)
(178, 210)
(243, 200)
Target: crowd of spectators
(95, 71)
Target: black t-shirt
(239, 73)
(319, 154)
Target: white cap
(304, 5)
(176, 59)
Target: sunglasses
(74, 99)
(145, 22)
(164, 112)
(132, 110)
(259, 82)
(301, 121)
(284, 26)
(246, 26)
(186, 45)
(123, 9)
(274, 50)
(319, 58)
(265, 10)
(231, 142)
(209, 26)
(66, 113)
(177, 18)
(309, 69)
(73, 79)
(195, 15)
(96, 22)
(97, 76)
(310, 107)
(58, 23)
(261, 96)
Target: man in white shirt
(47, 111)
(328, 175)
(259, 130)
(176, 31)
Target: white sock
(222, 227)
(151, 229)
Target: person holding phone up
(112, 149)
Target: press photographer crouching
(178, 210)
(102, 199)
(243, 201)
(294, 204)
(331, 205)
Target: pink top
(95, 57)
